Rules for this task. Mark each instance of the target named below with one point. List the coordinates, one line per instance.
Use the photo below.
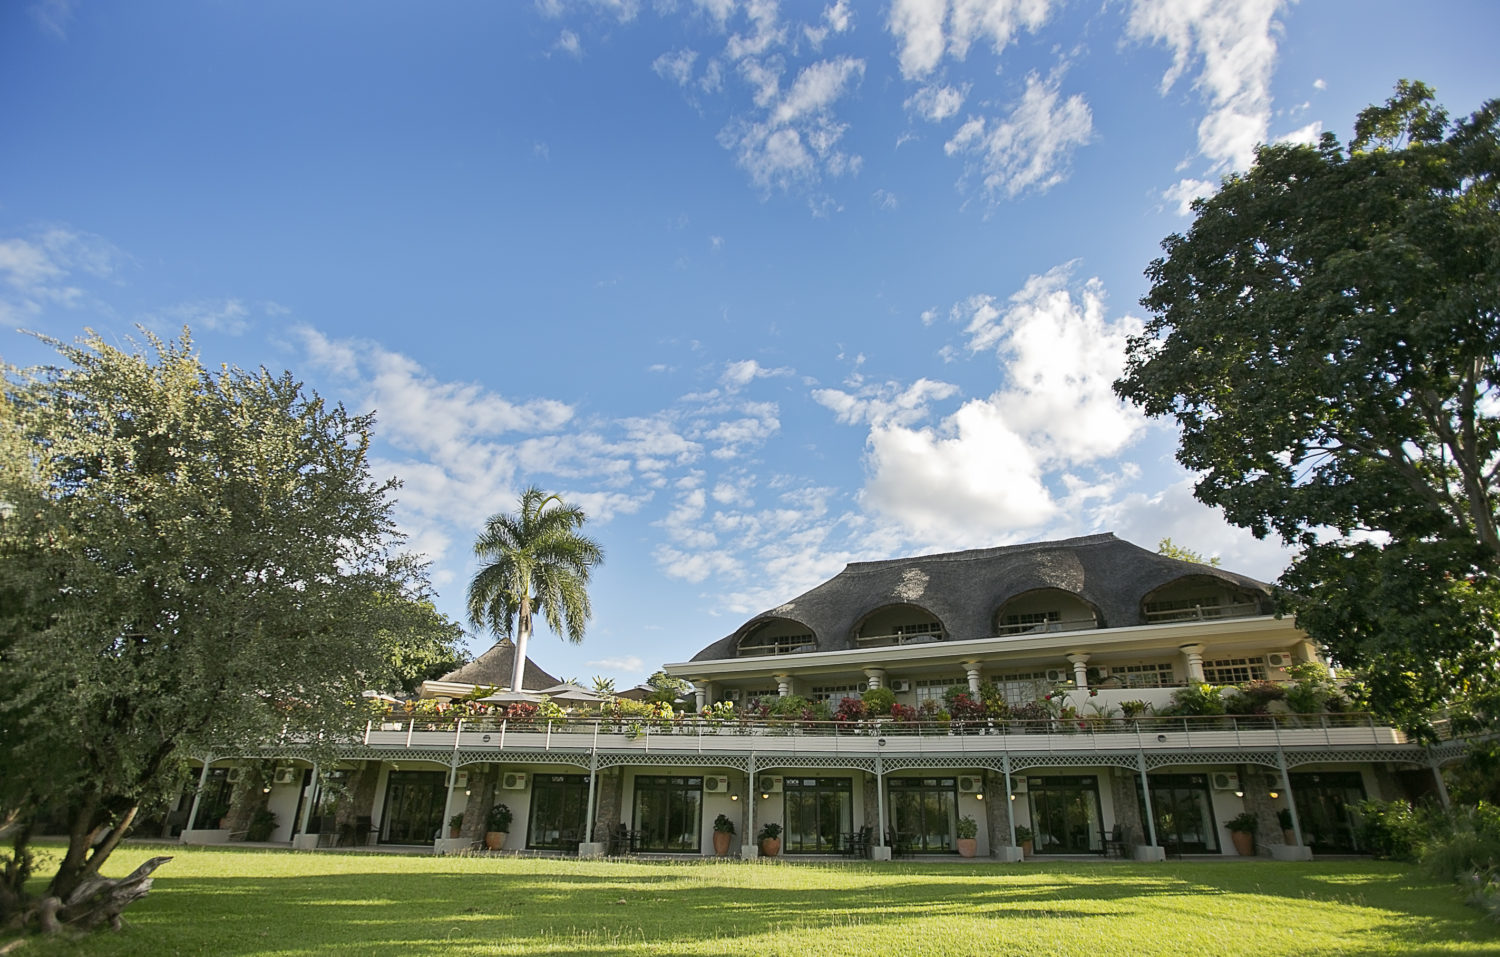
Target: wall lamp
(1161, 739)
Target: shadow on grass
(608, 909)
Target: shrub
(1197, 699)
(1391, 829)
(499, 818)
(261, 826)
(850, 710)
(723, 825)
(1253, 697)
(967, 829)
(878, 701)
(1465, 842)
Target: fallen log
(97, 901)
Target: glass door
(819, 812)
(1325, 808)
(559, 805)
(924, 812)
(413, 807)
(1066, 815)
(1184, 816)
(667, 813)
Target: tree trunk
(97, 901)
(523, 635)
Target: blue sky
(765, 288)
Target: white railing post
(458, 732)
(367, 732)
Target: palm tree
(534, 561)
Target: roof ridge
(975, 554)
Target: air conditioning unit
(1059, 674)
(716, 785)
(286, 775)
(461, 779)
(1225, 781)
(1278, 659)
(235, 775)
(970, 784)
(1099, 673)
(513, 781)
(1018, 785)
(901, 685)
(770, 784)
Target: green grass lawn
(235, 902)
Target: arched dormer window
(1198, 598)
(776, 636)
(898, 625)
(1044, 610)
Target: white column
(1080, 663)
(972, 671)
(700, 696)
(875, 678)
(1194, 656)
(783, 685)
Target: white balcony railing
(1088, 733)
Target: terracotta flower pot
(721, 843)
(453, 832)
(494, 840)
(967, 846)
(1025, 848)
(770, 847)
(1288, 837)
(1244, 844)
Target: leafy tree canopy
(1326, 337)
(1172, 550)
(187, 557)
(534, 561)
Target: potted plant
(1284, 818)
(723, 831)
(967, 832)
(497, 827)
(454, 824)
(261, 826)
(1242, 829)
(770, 840)
(1023, 839)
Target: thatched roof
(964, 590)
(493, 668)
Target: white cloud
(677, 67)
(568, 42)
(1233, 43)
(935, 103)
(741, 373)
(1306, 135)
(229, 316)
(796, 139)
(1029, 149)
(1184, 191)
(43, 271)
(52, 16)
(836, 19)
(1004, 465)
(887, 404)
(927, 29)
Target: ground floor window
(1326, 802)
(667, 813)
(413, 807)
(1183, 810)
(559, 806)
(819, 811)
(924, 812)
(1065, 814)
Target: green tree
(1326, 337)
(1172, 550)
(187, 557)
(422, 644)
(534, 562)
